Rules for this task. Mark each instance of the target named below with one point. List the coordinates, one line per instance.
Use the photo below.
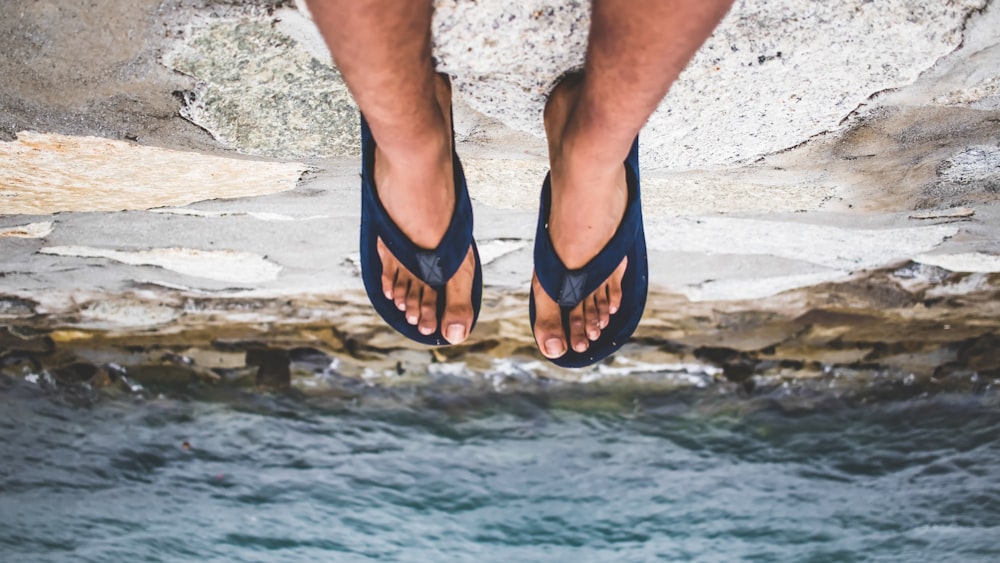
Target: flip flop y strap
(433, 266)
(569, 287)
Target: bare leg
(383, 50)
(637, 49)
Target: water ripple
(278, 477)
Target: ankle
(597, 127)
(586, 143)
(417, 150)
(416, 131)
(580, 164)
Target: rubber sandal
(434, 267)
(569, 287)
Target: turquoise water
(496, 478)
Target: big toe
(548, 329)
(456, 323)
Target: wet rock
(12, 363)
(10, 340)
(102, 379)
(806, 334)
(76, 372)
(163, 376)
(236, 344)
(309, 356)
(237, 377)
(273, 367)
(176, 359)
(446, 353)
(981, 354)
(737, 366)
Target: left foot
(589, 197)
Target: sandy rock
(46, 173)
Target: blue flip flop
(569, 287)
(434, 267)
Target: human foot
(415, 183)
(588, 202)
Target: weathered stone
(45, 173)
(770, 65)
(221, 265)
(262, 93)
(11, 306)
(736, 366)
(9, 340)
(813, 269)
(31, 230)
(981, 354)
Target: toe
(389, 269)
(388, 280)
(578, 329)
(615, 287)
(428, 312)
(400, 288)
(455, 323)
(455, 332)
(548, 323)
(457, 318)
(591, 317)
(601, 298)
(413, 302)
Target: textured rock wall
(774, 73)
(827, 210)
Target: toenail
(388, 295)
(456, 333)
(594, 334)
(580, 347)
(412, 320)
(612, 309)
(554, 347)
(426, 330)
(401, 306)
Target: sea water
(502, 477)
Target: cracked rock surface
(820, 187)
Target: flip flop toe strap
(433, 266)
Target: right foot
(416, 186)
(589, 197)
